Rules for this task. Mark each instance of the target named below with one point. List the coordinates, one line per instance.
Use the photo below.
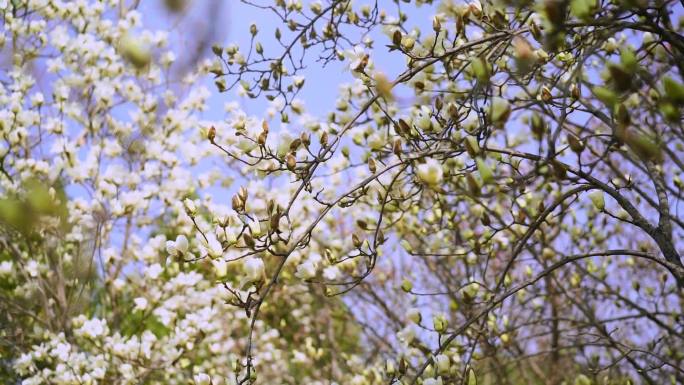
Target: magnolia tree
(497, 205)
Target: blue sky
(230, 21)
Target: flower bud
(598, 199)
(406, 285)
(442, 363)
(440, 323)
(202, 379)
(211, 134)
(190, 207)
(430, 172)
(371, 165)
(436, 25)
(414, 315)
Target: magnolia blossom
(414, 315)
(433, 381)
(154, 271)
(407, 334)
(442, 363)
(212, 246)
(254, 269)
(430, 172)
(6, 268)
(140, 303)
(93, 328)
(331, 272)
(202, 379)
(190, 206)
(177, 247)
(129, 150)
(306, 270)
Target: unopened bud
(575, 91)
(436, 25)
(396, 148)
(190, 207)
(211, 134)
(305, 137)
(396, 38)
(371, 165)
(291, 162)
(237, 203)
(356, 241)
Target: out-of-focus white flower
(254, 227)
(254, 269)
(32, 267)
(220, 267)
(442, 363)
(440, 323)
(407, 334)
(306, 270)
(299, 357)
(202, 379)
(153, 271)
(413, 314)
(140, 303)
(177, 247)
(213, 246)
(6, 268)
(190, 207)
(331, 272)
(433, 381)
(92, 328)
(431, 172)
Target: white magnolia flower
(306, 270)
(177, 247)
(407, 334)
(93, 328)
(433, 381)
(254, 227)
(153, 271)
(202, 379)
(213, 246)
(442, 363)
(431, 172)
(6, 268)
(220, 267)
(190, 206)
(414, 315)
(331, 272)
(140, 303)
(254, 269)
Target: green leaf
(500, 111)
(157, 328)
(629, 60)
(583, 9)
(485, 171)
(644, 146)
(674, 90)
(670, 112)
(472, 379)
(598, 199)
(406, 285)
(608, 97)
(482, 70)
(582, 380)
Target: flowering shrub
(502, 209)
